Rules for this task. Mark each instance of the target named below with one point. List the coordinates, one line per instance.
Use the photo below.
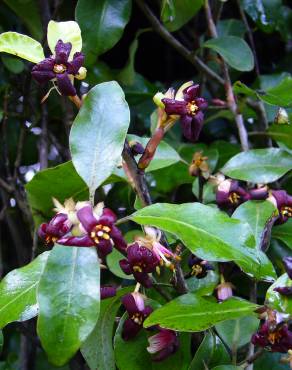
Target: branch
(180, 48)
(228, 86)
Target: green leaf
(279, 301)
(282, 134)
(28, 12)
(21, 46)
(13, 64)
(205, 286)
(69, 299)
(112, 261)
(18, 291)
(284, 233)
(260, 166)
(226, 367)
(237, 333)
(98, 348)
(280, 95)
(191, 222)
(165, 154)
(234, 50)
(102, 23)
(211, 352)
(259, 214)
(231, 27)
(133, 355)
(67, 32)
(60, 182)
(240, 88)
(1, 341)
(192, 313)
(98, 133)
(181, 12)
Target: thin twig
(228, 86)
(180, 48)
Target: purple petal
(287, 261)
(125, 266)
(107, 292)
(86, 217)
(175, 106)
(130, 304)
(104, 247)
(143, 278)
(258, 194)
(192, 125)
(191, 92)
(281, 197)
(118, 239)
(130, 329)
(65, 85)
(201, 103)
(62, 52)
(43, 71)
(284, 290)
(42, 231)
(108, 217)
(78, 241)
(77, 62)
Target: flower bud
(82, 72)
(282, 117)
(224, 291)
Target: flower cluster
(82, 225)
(58, 68)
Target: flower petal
(65, 85)
(118, 239)
(201, 103)
(62, 52)
(86, 217)
(191, 92)
(125, 266)
(175, 106)
(130, 304)
(104, 247)
(287, 261)
(130, 329)
(77, 62)
(107, 292)
(78, 241)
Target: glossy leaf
(211, 352)
(280, 95)
(21, 46)
(231, 27)
(281, 134)
(67, 32)
(98, 347)
(181, 12)
(102, 23)
(237, 333)
(279, 301)
(18, 300)
(28, 12)
(60, 182)
(205, 286)
(226, 367)
(165, 155)
(259, 215)
(132, 354)
(191, 222)
(13, 64)
(284, 233)
(98, 133)
(259, 165)
(69, 298)
(190, 312)
(234, 50)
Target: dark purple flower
(58, 226)
(229, 194)
(259, 193)
(277, 340)
(287, 261)
(284, 290)
(107, 292)
(140, 262)
(283, 202)
(163, 344)
(199, 268)
(189, 108)
(137, 312)
(58, 67)
(99, 231)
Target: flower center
(59, 68)
(286, 211)
(196, 270)
(234, 198)
(274, 337)
(137, 318)
(192, 108)
(50, 239)
(100, 232)
(139, 266)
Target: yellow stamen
(59, 68)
